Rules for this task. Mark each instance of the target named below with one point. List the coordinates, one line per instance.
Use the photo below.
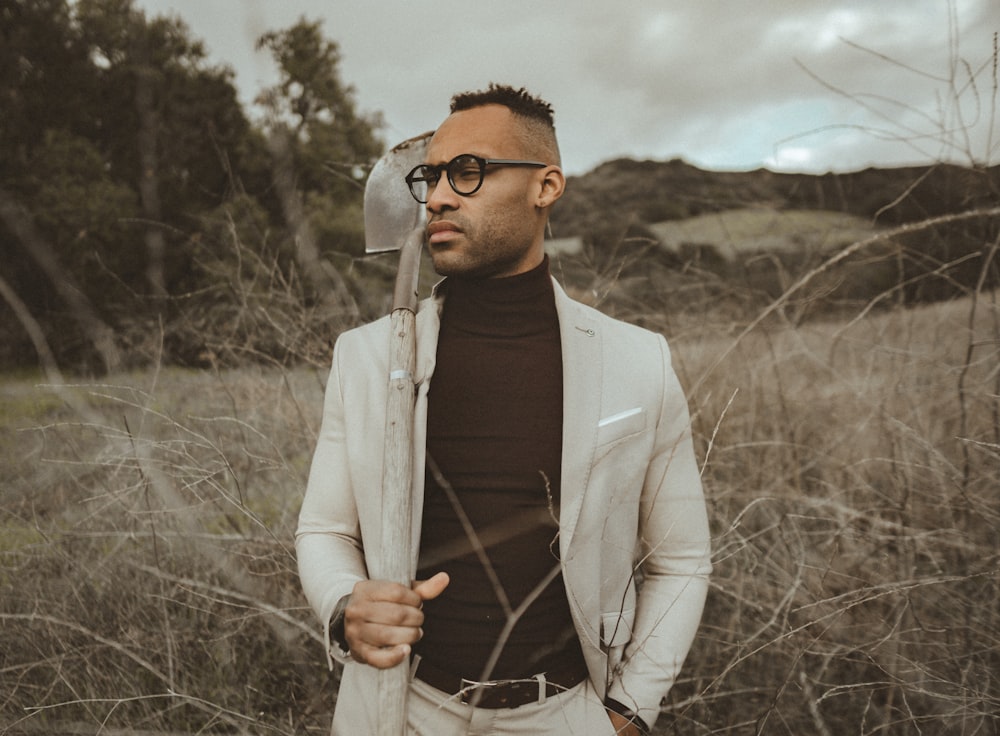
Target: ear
(553, 184)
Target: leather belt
(502, 693)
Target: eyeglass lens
(465, 174)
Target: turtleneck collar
(515, 306)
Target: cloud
(809, 84)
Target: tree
(322, 146)
(168, 123)
(125, 156)
(109, 120)
(45, 78)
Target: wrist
(336, 626)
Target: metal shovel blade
(391, 213)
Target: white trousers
(430, 712)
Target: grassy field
(852, 469)
(853, 485)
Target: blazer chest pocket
(620, 425)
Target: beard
(494, 249)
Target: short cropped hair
(537, 134)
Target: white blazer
(632, 507)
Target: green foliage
(339, 226)
(119, 144)
(45, 76)
(313, 102)
(84, 212)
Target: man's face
(497, 231)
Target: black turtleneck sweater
(494, 433)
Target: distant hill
(647, 238)
(626, 193)
(732, 233)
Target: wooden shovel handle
(397, 502)
(397, 471)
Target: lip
(441, 230)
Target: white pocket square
(621, 424)
(620, 416)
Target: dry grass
(853, 487)
(148, 569)
(148, 578)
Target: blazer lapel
(582, 372)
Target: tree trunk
(149, 179)
(324, 279)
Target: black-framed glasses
(465, 174)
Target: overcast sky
(791, 85)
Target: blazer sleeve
(674, 560)
(328, 540)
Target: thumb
(432, 587)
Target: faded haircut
(537, 131)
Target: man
(563, 543)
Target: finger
(381, 636)
(385, 591)
(380, 657)
(432, 587)
(368, 619)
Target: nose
(441, 197)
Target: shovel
(395, 221)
